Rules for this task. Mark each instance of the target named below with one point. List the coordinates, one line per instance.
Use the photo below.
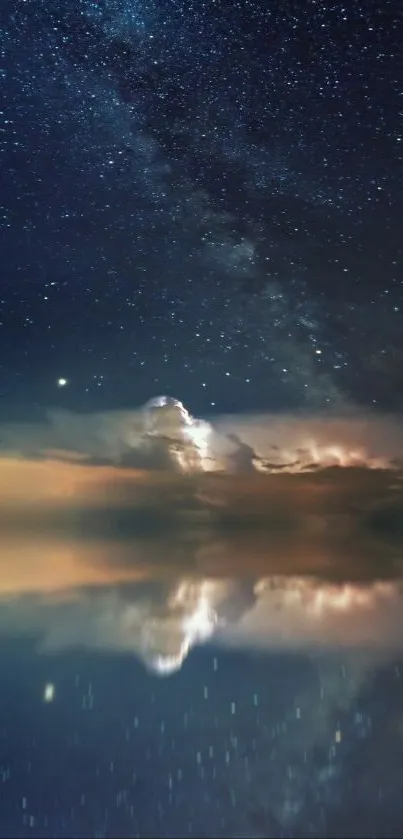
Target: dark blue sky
(200, 199)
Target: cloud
(301, 438)
(350, 438)
(116, 475)
(104, 436)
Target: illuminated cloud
(160, 435)
(164, 435)
(302, 440)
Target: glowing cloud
(163, 434)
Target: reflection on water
(275, 616)
(129, 597)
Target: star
(266, 262)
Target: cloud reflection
(125, 597)
(308, 613)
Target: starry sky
(202, 199)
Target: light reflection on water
(158, 601)
(279, 637)
(163, 593)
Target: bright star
(62, 382)
(49, 692)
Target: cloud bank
(297, 440)
(119, 476)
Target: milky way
(200, 198)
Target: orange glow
(29, 566)
(51, 481)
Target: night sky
(202, 199)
